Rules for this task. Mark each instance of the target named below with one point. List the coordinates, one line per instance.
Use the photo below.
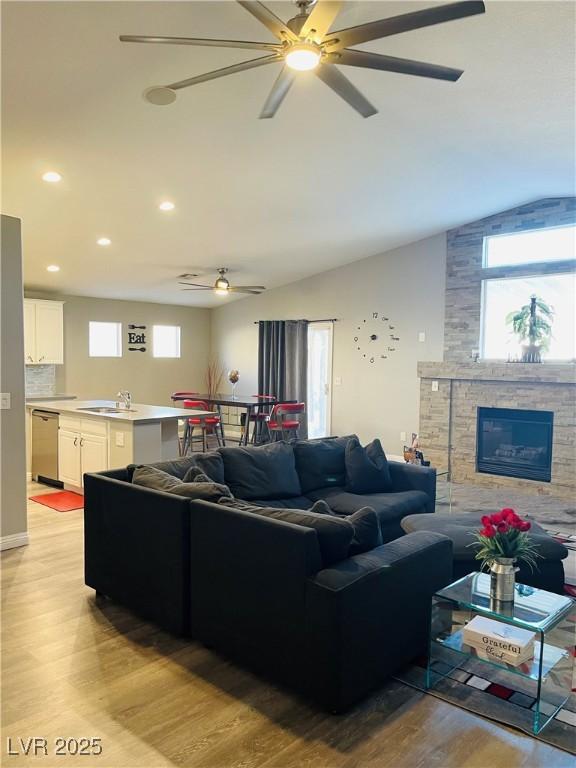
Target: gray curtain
(283, 361)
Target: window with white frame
(104, 339)
(166, 340)
(521, 265)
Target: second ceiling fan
(305, 43)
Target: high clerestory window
(520, 265)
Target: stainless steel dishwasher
(45, 447)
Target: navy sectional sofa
(256, 588)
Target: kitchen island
(96, 435)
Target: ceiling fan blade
(394, 64)
(223, 72)
(247, 288)
(244, 290)
(320, 20)
(196, 289)
(199, 41)
(200, 286)
(406, 22)
(269, 19)
(339, 83)
(278, 92)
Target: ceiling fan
(222, 285)
(305, 43)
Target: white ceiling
(274, 200)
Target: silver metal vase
(502, 579)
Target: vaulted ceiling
(274, 200)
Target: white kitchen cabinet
(81, 449)
(69, 461)
(93, 453)
(43, 332)
(29, 331)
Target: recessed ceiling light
(53, 268)
(167, 206)
(103, 241)
(51, 176)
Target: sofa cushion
(211, 464)
(294, 502)
(152, 477)
(459, 529)
(261, 472)
(389, 507)
(320, 463)
(367, 468)
(334, 533)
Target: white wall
(379, 399)
(13, 524)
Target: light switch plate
(434, 386)
(119, 439)
(5, 401)
(337, 381)
(403, 436)
(421, 336)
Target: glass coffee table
(547, 677)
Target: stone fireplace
(513, 442)
(495, 423)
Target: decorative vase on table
(501, 542)
(233, 378)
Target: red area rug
(62, 501)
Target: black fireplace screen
(514, 443)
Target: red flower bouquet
(504, 534)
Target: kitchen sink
(107, 409)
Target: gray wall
(149, 379)
(373, 399)
(12, 434)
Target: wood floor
(74, 667)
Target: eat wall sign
(136, 338)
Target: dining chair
(209, 425)
(281, 422)
(259, 417)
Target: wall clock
(375, 337)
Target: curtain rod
(325, 320)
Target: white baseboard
(14, 540)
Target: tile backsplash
(40, 379)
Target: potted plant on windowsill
(533, 323)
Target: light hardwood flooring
(76, 667)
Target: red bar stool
(209, 425)
(260, 415)
(281, 422)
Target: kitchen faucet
(126, 398)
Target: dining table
(249, 403)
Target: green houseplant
(533, 323)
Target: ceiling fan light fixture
(303, 57)
(221, 291)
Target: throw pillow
(206, 491)
(367, 469)
(176, 467)
(152, 477)
(365, 523)
(212, 465)
(321, 463)
(195, 472)
(262, 472)
(367, 533)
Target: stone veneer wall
(464, 267)
(40, 379)
(448, 415)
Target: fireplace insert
(515, 443)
